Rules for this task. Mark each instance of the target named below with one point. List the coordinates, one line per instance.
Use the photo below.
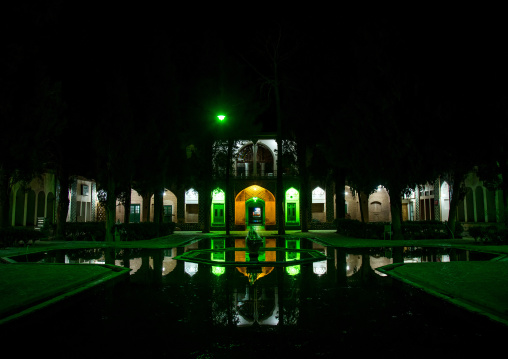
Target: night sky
(416, 80)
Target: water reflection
(342, 298)
(258, 295)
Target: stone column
(329, 204)
(254, 159)
(73, 203)
(93, 192)
(437, 199)
(180, 206)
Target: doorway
(134, 216)
(255, 212)
(168, 213)
(218, 214)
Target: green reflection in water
(293, 270)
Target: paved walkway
(477, 286)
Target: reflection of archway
(353, 264)
(251, 193)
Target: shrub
(15, 236)
(85, 231)
(350, 227)
(144, 230)
(374, 230)
(410, 229)
(476, 232)
(459, 229)
(356, 229)
(424, 230)
(503, 235)
(96, 231)
(488, 234)
(315, 224)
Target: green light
(292, 206)
(219, 255)
(293, 270)
(292, 244)
(218, 270)
(221, 117)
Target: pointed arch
(218, 207)
(318, 207)
(191, 206)
(252, 192)
(169, 203)
(292, 206)
(444, 198)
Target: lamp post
(227, 196)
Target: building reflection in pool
(246, 295)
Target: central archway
(257, 200)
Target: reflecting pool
(302, 299)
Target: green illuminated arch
(218, 207)
(292, 206)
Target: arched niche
(319, 204)
(191, 206)
(264, 160)
(218, 208)
(292, 206)
(252, 192)
(444, 198)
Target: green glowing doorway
(255, 212)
